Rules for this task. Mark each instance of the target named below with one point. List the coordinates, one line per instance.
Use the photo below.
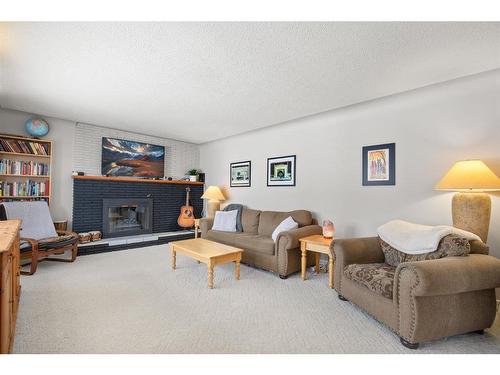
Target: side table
(319, 245)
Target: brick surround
(167, 200)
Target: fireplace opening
(126, 217)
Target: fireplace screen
(126, 217)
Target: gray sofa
(282, 257)
(419, 300)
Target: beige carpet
(132, 302)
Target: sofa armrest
(445, 276)
(206, 224)
(290, 239)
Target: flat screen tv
(130, 158)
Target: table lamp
(214, 196)
(471, 207)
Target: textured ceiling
(203, 81)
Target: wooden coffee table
(209, 252)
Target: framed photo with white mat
(281, 171)
(240, 174)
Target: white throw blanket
(413, 238)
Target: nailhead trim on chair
(412, 302)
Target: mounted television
(130, 158)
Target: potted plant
(193, 175)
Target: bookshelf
(25, 168)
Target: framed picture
(130, 158)
(240, 174)
(281, 171)
(379, 165)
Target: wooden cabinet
(10, 287)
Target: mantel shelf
(132, 179)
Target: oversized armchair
(39, 238)
(423, 300)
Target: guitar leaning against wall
(186, 217)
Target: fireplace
(126, 217)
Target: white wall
(432, 127)
(78, 147)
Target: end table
(319, 245)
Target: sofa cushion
(269, 220)
(378, 277)
(255, 243)
(52, 242)
(449, 246)
(226, 238)
(242, 240)
(250, 220)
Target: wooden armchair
(39, 238)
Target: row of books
(25, 168)
(26, 188)
(24, 147)
(24, 200)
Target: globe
(37, 127)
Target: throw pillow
(449, 246)
(239, 208)
(225, 221)
(285, 225)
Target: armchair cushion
(59, 241)
(378, 277)
(450, 245)
(35, 216)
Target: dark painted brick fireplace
(88, 195)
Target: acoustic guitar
(186, 218)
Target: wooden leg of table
(330, 272)
(316, 267)
(210, 275)
(237, 268)
(304, 260)
(172, 250)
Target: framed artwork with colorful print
(379, 164)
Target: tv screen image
(129, 158)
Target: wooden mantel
(132, 179)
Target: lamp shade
(469, 175)
(213, 193)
